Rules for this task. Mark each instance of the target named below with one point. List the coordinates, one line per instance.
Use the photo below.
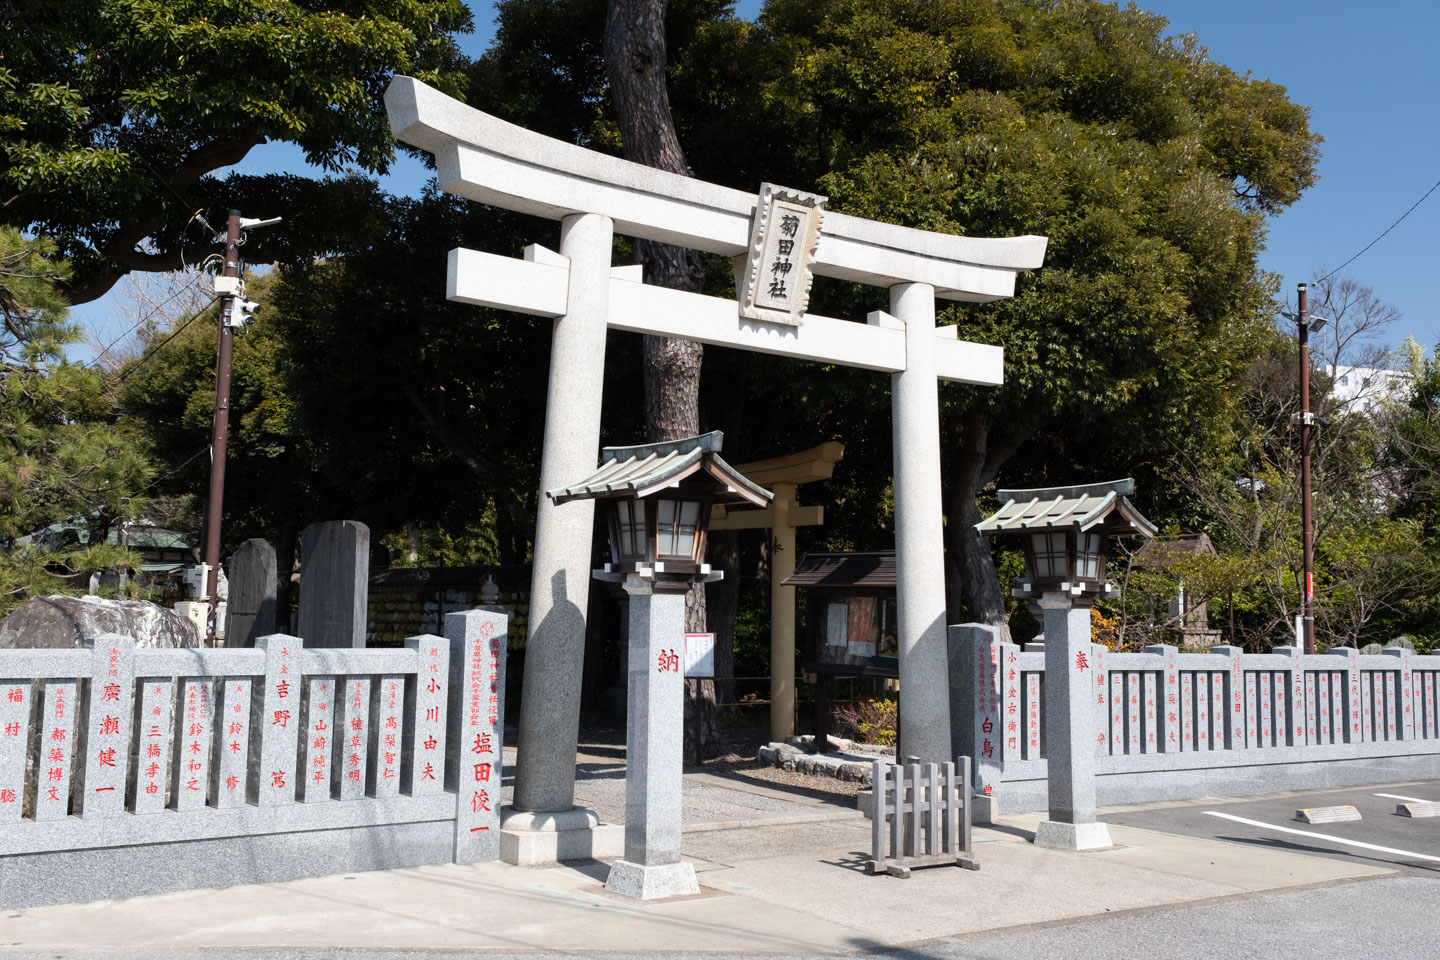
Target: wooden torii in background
(781, 475)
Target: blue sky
(1370, 75)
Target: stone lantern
(658, 497)
(1064, 532)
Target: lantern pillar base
(652, 882)
(1073, 836)
(1071, 679)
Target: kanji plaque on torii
(774, 285)
(594, 196)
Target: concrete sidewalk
(780, 872)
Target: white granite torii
(593, 196)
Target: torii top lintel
(489, 160)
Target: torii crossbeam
(593, 196)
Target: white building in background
(1360, 389)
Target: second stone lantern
(659, 497)
(1064, 533)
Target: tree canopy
(65, 459)
(118, 113)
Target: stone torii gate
(594, 196)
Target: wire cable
(173, 334)
(158, 307)
(1372, 243)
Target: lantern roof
(1099, 507)
(645, 469)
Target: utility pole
(226, 340)
(235, 311)
(1307, 598)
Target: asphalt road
(1396, 918)
(1409, 845)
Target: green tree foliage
(360, 393)
(116, 114)
(1149, 166)
(1372, 559)
(63, 456)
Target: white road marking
(1393, 796)
(1321, 836)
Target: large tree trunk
(635, 61)
(978, 455)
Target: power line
(173, 334)
(1392, 226)
(158, 307)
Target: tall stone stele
(334, 583)
(659, 497)
(1064, 533)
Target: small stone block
(152, 753)
(476, 729)
(279, 720)
(1327, 814)
(107, 744)
(317, 746)
(352, 738)
(232, 743)
(426, 771)
(387, 728)
(1417, 809)
(15, 700)
(57, 750)
(192, 745)
(654, 882)
(1073, 836)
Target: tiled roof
(872, 569)
(640, 471)
(1096, 505)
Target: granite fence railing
(1175, 725)
(126, 771)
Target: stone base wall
(79, 876)
(1122, 783)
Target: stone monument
(251, 610)
(334, 583)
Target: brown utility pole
(1307, 597)
(221, 429)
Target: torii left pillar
(560, 585)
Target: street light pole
(230, 270)
(1307, 597)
